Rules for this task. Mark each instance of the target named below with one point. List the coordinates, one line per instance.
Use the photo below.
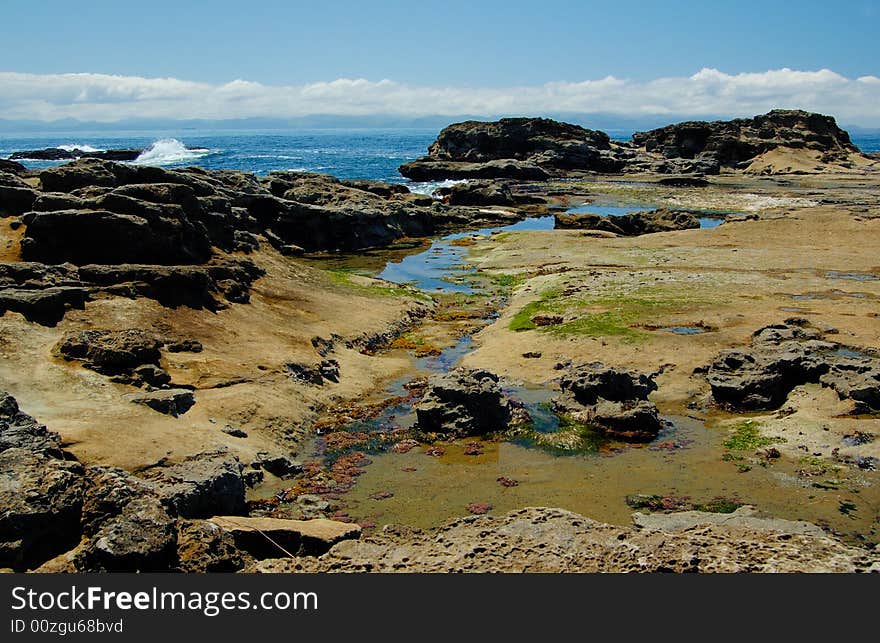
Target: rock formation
(783, 356)
(630, 224)
(463, 402)
(614, 401)
(523, 148)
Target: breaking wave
(428, 187)
(81, 148)
(170, 151)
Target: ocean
(344, 153)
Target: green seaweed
(747, 437)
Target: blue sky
(473, 46)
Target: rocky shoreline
(173, 312)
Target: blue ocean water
(345, 153)
(366, 154)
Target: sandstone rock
(463, 402)
(745, 517)
(104, 237)
(274, 537)
(16, 196)
(543, 141)
(544, 540)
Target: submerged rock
(613, 400)
(463, 402)
(630, 224)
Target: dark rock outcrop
(41, 491)
(463, 402)
(16, 196)
(427, 169)
(477, 193)
(783, 356)
(59, 154)
(111, 352)
(170, 401)
(12, 167)
(202, 485)
(631, 223)
(522, 148)
(613, 400)
(538, 142)
(733, 142)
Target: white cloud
(102, 97)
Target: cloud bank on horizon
(709, 92)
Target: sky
(108, 60)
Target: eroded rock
(463, 402)
(613, 400)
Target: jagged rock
(542, 140)
(384, 190)
(203, 547)
(11, 167)
(744, 138)
(173, 401)
(277, 464)
(234, 431)
(142, 538)
(105, 237)
(274, 537)
(783, 356)
(477, 193)
(58, 154)
(46, 306)
(613, 400)
(41, 491)
(433, 170)
(111, 351)
(631, 223)
(16, 196)
(463, 402)
(202, 485)
(315, 374)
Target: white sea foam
(428, 187)
(169, 151)
(82, 148)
